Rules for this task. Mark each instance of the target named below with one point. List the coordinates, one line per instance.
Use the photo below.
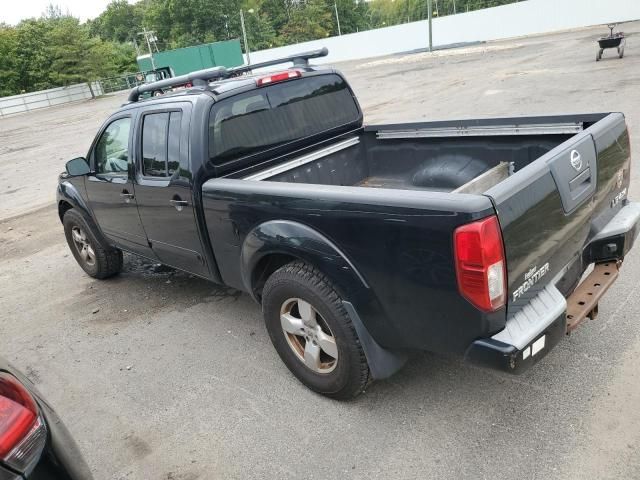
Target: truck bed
(391, 197)
(416, 160)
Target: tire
(343, 373)
(94, 255)
(157, 93)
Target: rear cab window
(278, 114)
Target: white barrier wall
(46, 98)
(516, 19)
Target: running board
(583, 302)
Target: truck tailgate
(551, 210)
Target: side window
(154, 144)
(161, 144)
(111, 153)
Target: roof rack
(201, 78)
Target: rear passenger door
(164, 187)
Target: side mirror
(78, 167)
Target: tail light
(480, 263)
(278, 77)
(22, 431)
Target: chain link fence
(121, 82)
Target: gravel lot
(175, 378)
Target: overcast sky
(12, 11)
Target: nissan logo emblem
(576, 160)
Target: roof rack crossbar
(201, 78)
(298, 60)
(197, 78)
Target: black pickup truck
(490, 239)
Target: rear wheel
(312, 332)
(95, 256)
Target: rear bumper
(534, 330)
(617, 237)
(497, 355)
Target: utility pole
(244, 35)
(135, 45)
(454, 7)
(335, 6)
(150, 38)
(430, 23)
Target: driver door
(110, 187)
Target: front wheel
(97, 259)
(312, 332)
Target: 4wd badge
(576, 160)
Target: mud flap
(382, 362)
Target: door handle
(179, 204)
(126, 196)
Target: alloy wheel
(83, 246)
(308, 335)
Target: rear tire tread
(314, 278)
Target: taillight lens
(480, 263)
(22, 432)
(278, 77)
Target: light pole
(244, 35)
(149, 37)
(335, 6)
(430, 23)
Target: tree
(309, 21)
(9, 77)
(120, 22)
(260, 32)
(33, 63)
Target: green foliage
(9, 74)
(309, 21)
(260, 32)
(56, 49)
(391, 12)
(120, 22)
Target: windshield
(279, 114)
